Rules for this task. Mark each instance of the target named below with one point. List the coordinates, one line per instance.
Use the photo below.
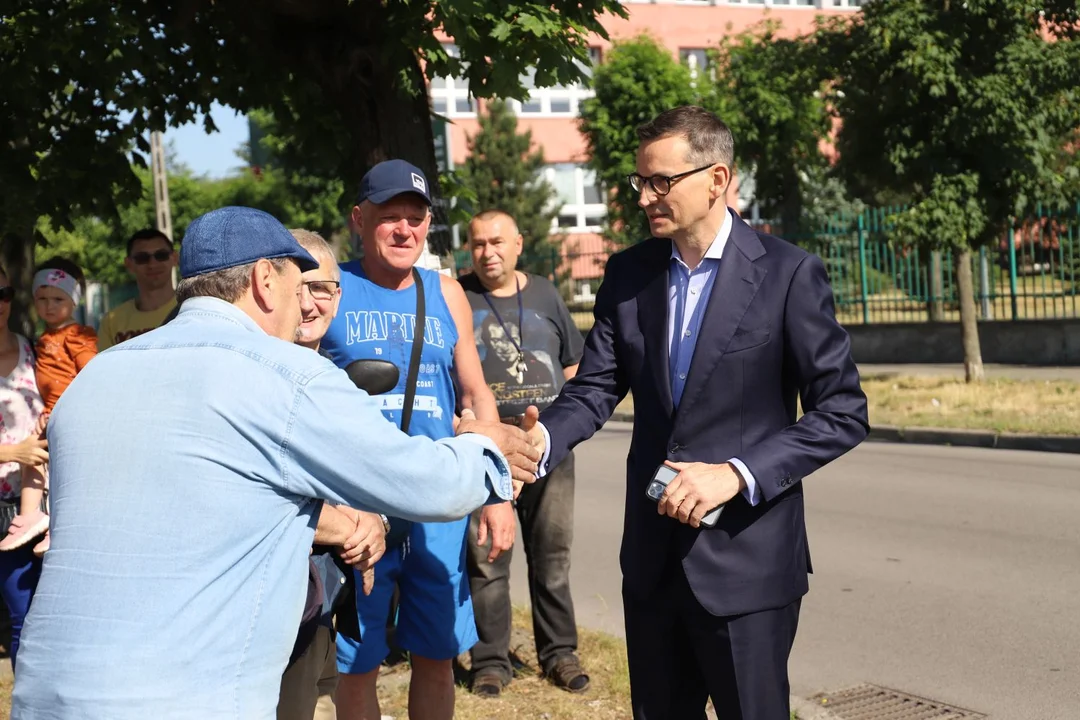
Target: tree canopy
(638, 80)
(771, 91)
(967, 112)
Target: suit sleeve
(818, 352)
(588, 399)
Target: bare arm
(475, 393)
(569, 371)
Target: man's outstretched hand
(513, 442)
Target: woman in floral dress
(20, 445)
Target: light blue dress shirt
(688, 296)
(184, 464)
(689, 290)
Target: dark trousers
(680, 656)
(546, 513)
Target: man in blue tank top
(378, 320)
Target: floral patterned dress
(20, 406)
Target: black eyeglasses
(7, 293)
(322, 289)
(143, 258)
(661, 184)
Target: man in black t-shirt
(529, 347)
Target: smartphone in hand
(661, 478)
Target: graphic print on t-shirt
(498, 344)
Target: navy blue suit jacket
(769, 336)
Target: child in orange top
(61, 352)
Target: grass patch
(1047, 407)
(1050, 407)
(529, 695)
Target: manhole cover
(870, 702)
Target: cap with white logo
(391, 178)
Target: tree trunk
(969, 326)
(17, 257)
(937, 288)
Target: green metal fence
(1031, 272)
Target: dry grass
(7, 683)
(1020, 406)
(530, 696)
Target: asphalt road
(950, 573)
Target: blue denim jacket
(184, 464)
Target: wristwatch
(385, 523)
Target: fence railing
(1031, 272)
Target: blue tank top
(375, 323)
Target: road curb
(975, 438)
(956, 438)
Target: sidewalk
(1011, 372)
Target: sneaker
(42, 547)
(566, 673)
(488, 684)
(23, 529)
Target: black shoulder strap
(417, 348)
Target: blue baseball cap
(391, 178)
(232, 236)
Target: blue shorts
(435, 612)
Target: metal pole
(1012, 270)
(862, 271)
(162, 210)
(984, 285)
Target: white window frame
(453, 89)
(574, 95)
(589, 216)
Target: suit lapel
(652, 309)
(736, 285)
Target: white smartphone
(664, 475)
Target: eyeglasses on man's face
(144, 258)
(661, 184)
(322, 289)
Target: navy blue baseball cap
(232, 236)
(391, 178)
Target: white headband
(51, 277)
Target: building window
(557, 100)
(450, 95)
(697, 59)
(581, 200)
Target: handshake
(521, 446)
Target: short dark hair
(146, 234)
(709, 138)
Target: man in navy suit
(717, 330)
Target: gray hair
(709, 138)
(317, 245)
(228, 284)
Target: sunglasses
(143, 258)
(7, 293)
